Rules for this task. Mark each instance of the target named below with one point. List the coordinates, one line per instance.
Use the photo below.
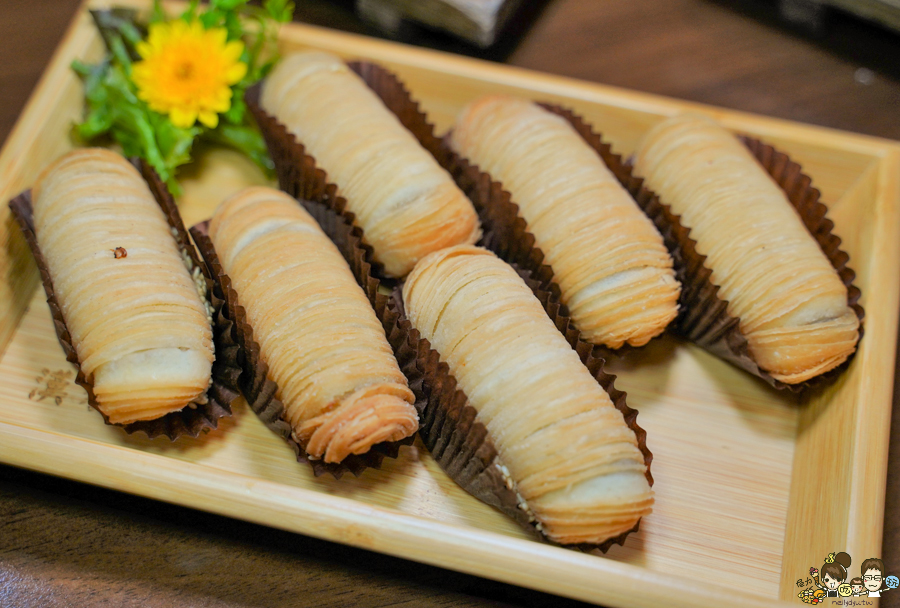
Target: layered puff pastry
(407, 205)
(576, 464)
(790, 301)
(137, 322)
(342, 389)
(613, 270)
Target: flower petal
(183, 117)
(144, 49)
(220, 105)
(236, 72)
(216, 36)
(233, 50)
(159, 33)
(210, 119)
(140, 71)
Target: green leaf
(234, 26)
(120, 85)
(158, 14)
(120, 53)
(265, 68)
(90, 74)
(131, 34)
(281, 11)
(235, 114)
(81, 68)
(113, 109)
(97, 122)
(226, 5)
(119, 28)
(191, 12)
(252, 56)
(210, 19)
(98, 117)
(174, 142)
(244, 138)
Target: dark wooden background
(63, 544)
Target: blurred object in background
(478, 21)
(866, 32)
(488, 29)
(812, 13)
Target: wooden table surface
(65, 544)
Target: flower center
(184, 70)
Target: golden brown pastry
(611, 265)
(405, 202)
(342, 389)
(575, 462)
(790, 301)
(136, 319)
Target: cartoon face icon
(857, 589)
(872, 579)
(892, 582)
(832, 583)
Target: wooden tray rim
(337, 519)
(566, 572)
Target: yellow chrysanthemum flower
(187, 71)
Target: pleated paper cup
(703, 316)
(459, 442)
(196, 417)
(260, 391)
(448, 424)
(505, 232)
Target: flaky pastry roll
(791, 303)
(610, 262)
(137, 322)
(406, 204)
(342, 389)
(575, 462)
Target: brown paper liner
(223, 390)
(257, 388)
(299, 176)
(459, 442)
(704, 317)
(505, 232)
(448, 425)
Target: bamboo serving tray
(752, 486)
